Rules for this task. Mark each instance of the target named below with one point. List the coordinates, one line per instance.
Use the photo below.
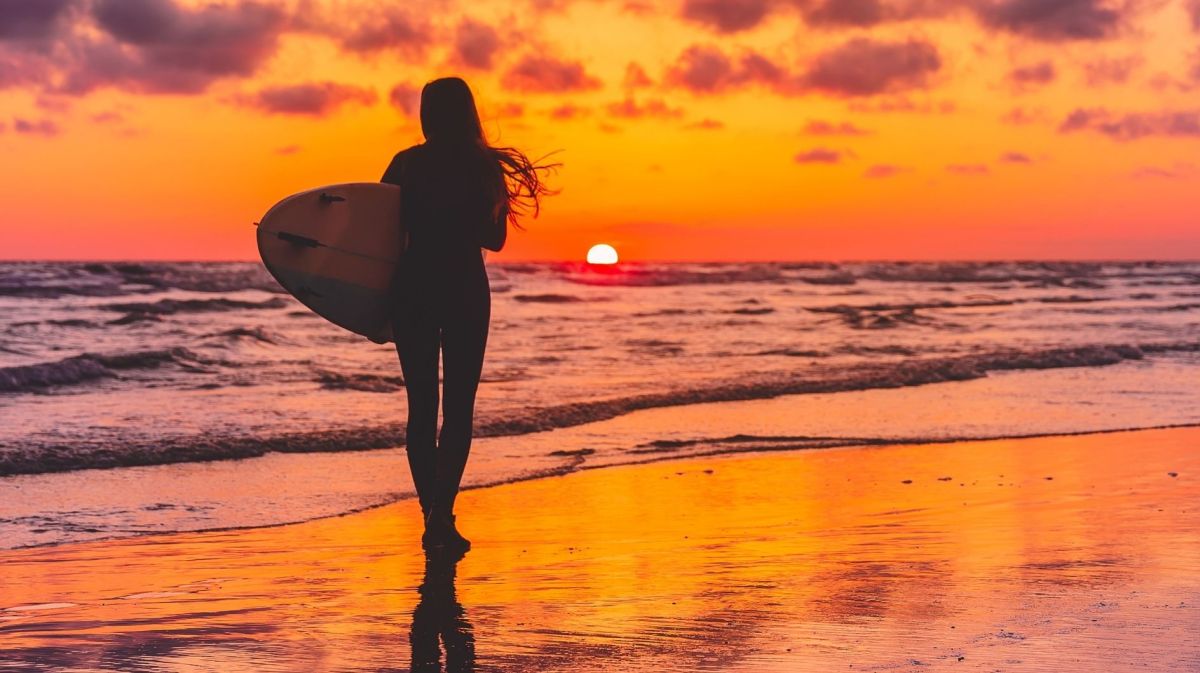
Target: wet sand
(1076, 553)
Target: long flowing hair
(449, 116)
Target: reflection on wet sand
(439, 621)
(1063, 553)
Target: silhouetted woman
(458, 195)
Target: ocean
(122, 383)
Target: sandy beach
(1075, 553)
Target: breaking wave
(81, 453)
(93, 366)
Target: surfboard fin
(297, 239)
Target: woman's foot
(442, 534)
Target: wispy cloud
(312, 98)
(1133, 126)
(821, 155)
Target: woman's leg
(417, 345)
(464, 340)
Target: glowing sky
(688, 129)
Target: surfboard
(335, 249)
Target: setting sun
(602, 253)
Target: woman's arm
(496, 231)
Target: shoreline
(1071, 553)
(755, 451)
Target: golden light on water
(602, 253)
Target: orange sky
(690, 129)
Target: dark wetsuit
(453, 204)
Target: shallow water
(287, 487)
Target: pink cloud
(475, 44)
(1037, 74)
(393, 29)
(654, 107)
(820, 155)
(568, 111)
(867, 67)
(314, 98)
(1133, 126)
(547, 74)
(817, 127)
(706, 69)
(636, 77)
(880, 171)
(406, 98)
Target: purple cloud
(314, 98)
(820, 155)
(1193, 7)
(1133, 126)
(839, 13)
(155, 46)
(726, 16)
(1054, 20)
(866, 67)
(860, 67)
(475, 44)
(547, 74)
(867, 13)
(28, 20)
